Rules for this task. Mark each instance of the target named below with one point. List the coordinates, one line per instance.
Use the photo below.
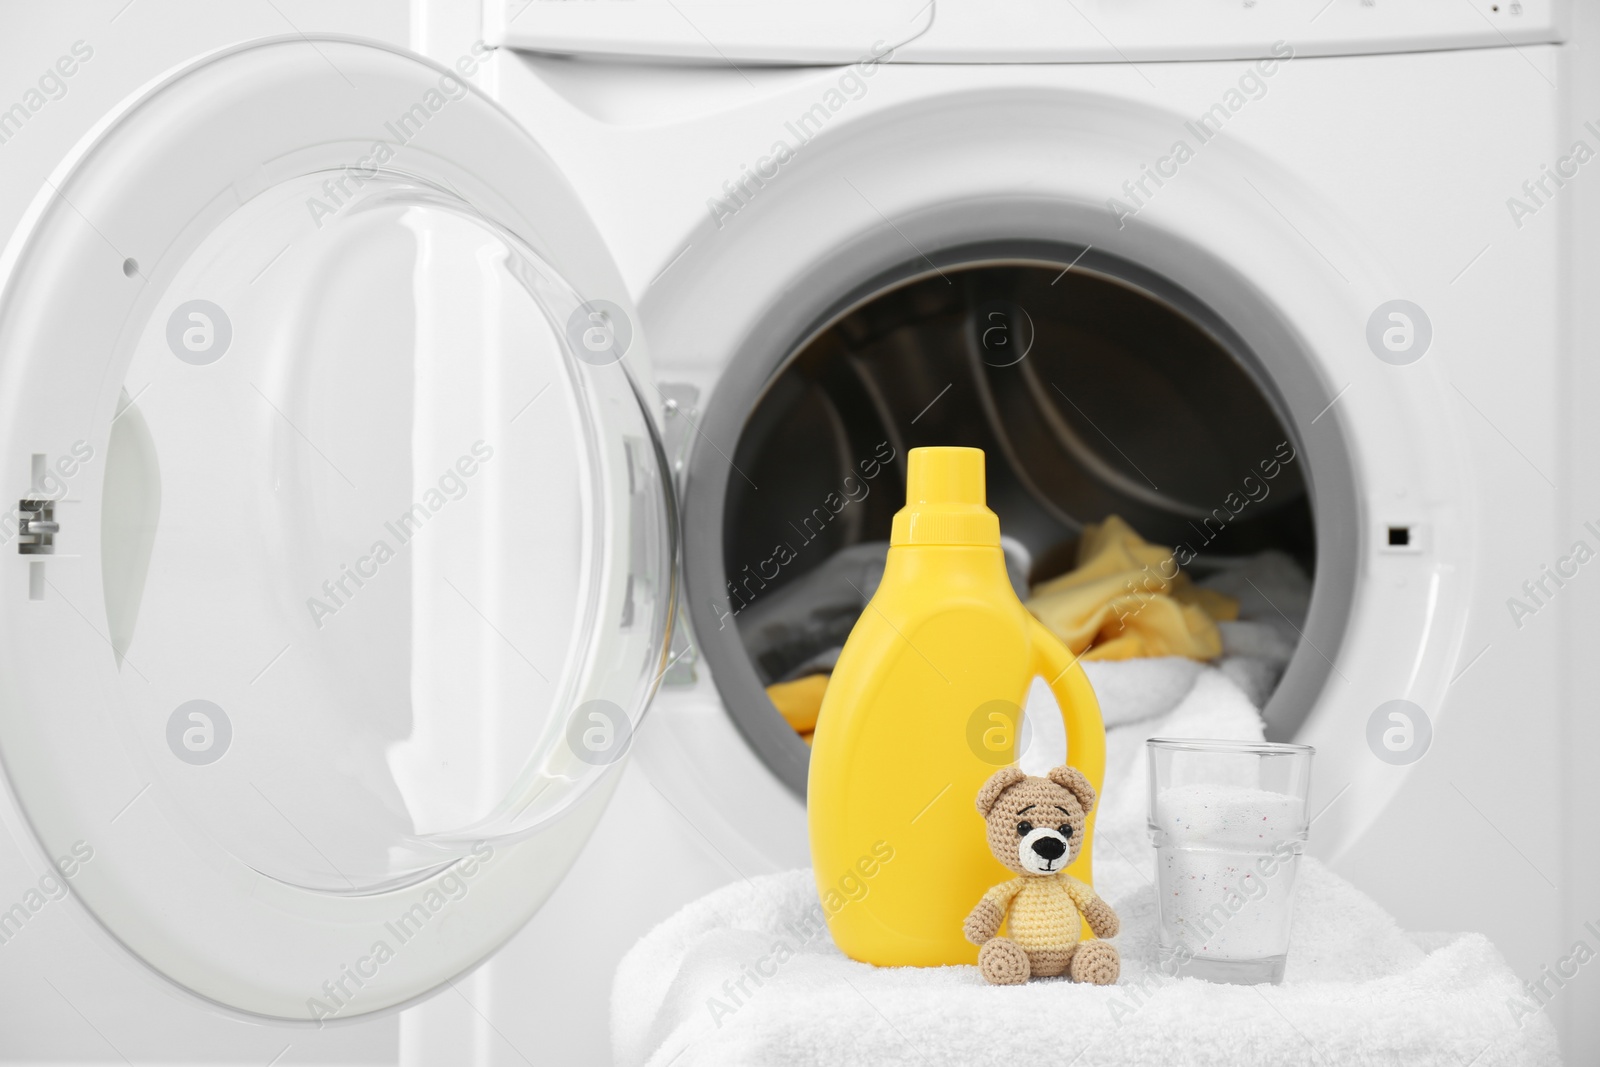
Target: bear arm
(1101, 919)
(984, 922)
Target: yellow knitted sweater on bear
(1042, 911)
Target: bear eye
(1024, 828)
(1066, 829)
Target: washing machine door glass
(343, 554)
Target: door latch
(36, 527)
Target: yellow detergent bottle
(924, 705)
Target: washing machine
(406, 425)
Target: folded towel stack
(749, 975)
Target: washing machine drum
(1090, 395)
(343, 554)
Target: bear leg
(1002, 962)
(1096, 962)
(1050, 962)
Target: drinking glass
(1228, 821)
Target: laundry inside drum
(1118, 424)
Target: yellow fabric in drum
(799, 701)
(1126, 598)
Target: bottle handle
(1086, 731)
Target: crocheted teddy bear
(1036, 828)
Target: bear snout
(1050, 848)
(1042, 850)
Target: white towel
(711, 985)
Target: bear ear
(1072, 780)
(998, 783)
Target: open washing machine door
(344, 554)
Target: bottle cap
(945, 500)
